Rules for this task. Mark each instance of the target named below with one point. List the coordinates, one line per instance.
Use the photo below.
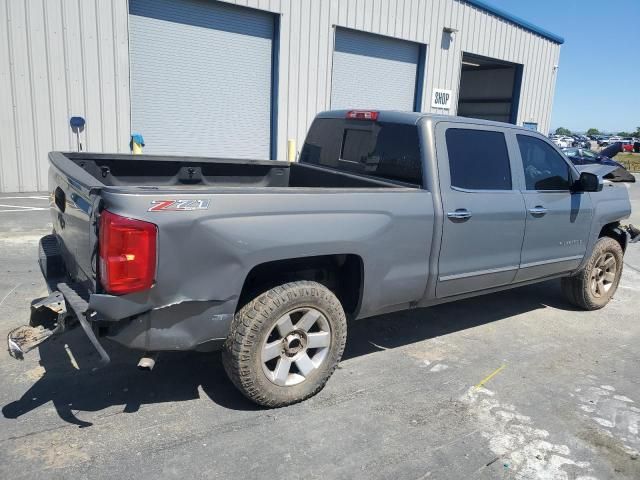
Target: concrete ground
(560, 396)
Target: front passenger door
(558, 220)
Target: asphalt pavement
(517, 384)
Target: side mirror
(588, 182)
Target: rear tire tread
(250, 320)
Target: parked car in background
(627, 144)
(604, 141)
(611, 141)
(583, 156)
(636, 146)
(562, 141)
(581, 141)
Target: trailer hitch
(48, 318)
(51, 316)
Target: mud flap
(48, 318)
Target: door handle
(538, 211)
(459, 214)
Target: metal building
(242, 77)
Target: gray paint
(201, 78)
(372, 71)
(63, 57)
(412, 254)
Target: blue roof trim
(518, 21)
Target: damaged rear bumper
(632, 232)
(131, 320)
(62, 310)
(47, 320)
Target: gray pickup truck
(268, 261)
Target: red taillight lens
(362, 115)
(127, 253)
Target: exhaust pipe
(148, 361)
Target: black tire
(580, 289)
(255, 325)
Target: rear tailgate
(72, 215)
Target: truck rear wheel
(285, 344)
(595, 285)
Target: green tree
(563, 131)
(593, 131)
(623, 134)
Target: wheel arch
(343, 274)
(614, 231)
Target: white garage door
(372, 71)
(201, 78)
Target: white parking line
(17, 206)
(22, 209)
(31, 197)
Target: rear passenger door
(484, 215)
(558, 220)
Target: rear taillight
(127, 253)
(362, 115)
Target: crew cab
(269, 261)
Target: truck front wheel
(284, 345)
(594, 286)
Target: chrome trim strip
(555, 260)
(506, 269)
(477, 272)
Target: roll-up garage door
(372, 71)
(201, 78)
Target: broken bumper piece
(47, 320)
(633, 233)
(51, 316)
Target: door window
(544, 168)
(478, 159)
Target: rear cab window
(386, 150)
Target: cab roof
(397, 116)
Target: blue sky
(599, 77)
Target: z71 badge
(178, 205)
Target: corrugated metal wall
(62, 57)
(59, 58)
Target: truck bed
(109, 170)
